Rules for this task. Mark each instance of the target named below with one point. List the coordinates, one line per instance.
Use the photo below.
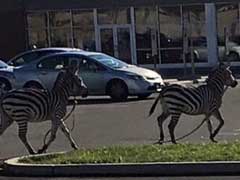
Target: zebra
(35, 105)
(205, 100)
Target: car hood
(140, 71)
(7, 69)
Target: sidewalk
(200, 79)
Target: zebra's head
(222, 74)
(74, 83)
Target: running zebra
(35, 105)
(205, 99)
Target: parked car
(102, 74)
(200, 52)
(6, 76)
(31, 55)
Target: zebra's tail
(155, 104)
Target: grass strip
(145, 153)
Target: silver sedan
(102, 74)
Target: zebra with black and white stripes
(35, 105)
(205, 99)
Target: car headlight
(135, 77)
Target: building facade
(147, 33)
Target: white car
(102, 74)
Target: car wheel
(33, 85)
(5, 85)
(144, 96)
(118, 90)
(233, 57)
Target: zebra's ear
(223, 65)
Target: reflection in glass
(145, 57)
(60, 19)
(146, 41)
(145, 15)
(107, 41)
(171, 56)
(170, 27)
(170, 36)
(37, 37)
(114, 16)
(37, 20)
(83, 18)
(143, 37)
(196, 32)
(124, 48)
(61, 37)
(84, 38)
(228, 20)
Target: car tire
(233, 57)
(144, 96)
(118, 90)
(33, 85)
(5, 84)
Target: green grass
(145, 153)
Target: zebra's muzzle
(234, 84)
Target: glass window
(37, 20)
(60, 19)
(24, 59)
(170, 27)
(114, 16)
(146, 20)
(145, 15)
(37, 29)
(61, 37)
(54, 63)
(196, 32)
(83, 30)
(84, 38)
(87, 65)
(38, 37)
(83, 18)
(228, 20)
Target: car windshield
(109, 61)
(3, 64)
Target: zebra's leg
(54, 129)
(210, 129)
(161, 119)
(22, 134)
(172, 125)
(218, 116)
(68, 135)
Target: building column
(211, 30)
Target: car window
(31, 56)
(24, 59)
(88, 65)
(54, 63)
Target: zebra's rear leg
(161, 119)
(68, 135)
(209, 123)
(51, 139)
(172, 125)
(22, 134)
(219, 117)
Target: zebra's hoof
(40, 151)
(159, 142)
(212, 139)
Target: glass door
(116, 40)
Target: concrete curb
(13, 168)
